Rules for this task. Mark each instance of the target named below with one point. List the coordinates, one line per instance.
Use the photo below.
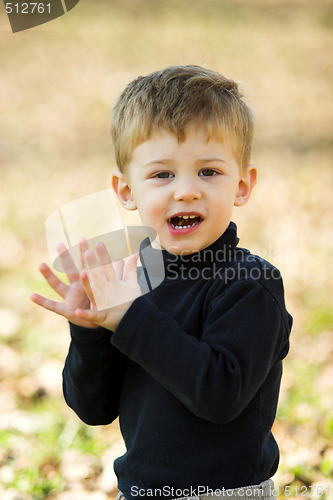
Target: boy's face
(185, 191)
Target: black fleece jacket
(193, 371)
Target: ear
(123, 191)
(245, 186)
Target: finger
(103, 255)
(97, 317)
(67, 263)
(89, 259)
(95, 272)
(50, 305)
(94, 278)
(83, 247)
(130, 269)
(105, 261)
(86, 285)
(118, 267)
(58, 286)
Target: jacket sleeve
(93, 375)
(216, 376)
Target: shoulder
(248, 267)
(249, 277)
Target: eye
(163, 175)
(207, 172)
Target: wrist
(82, 334)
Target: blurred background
(59, 83)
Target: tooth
(192, 216)
(185, 216)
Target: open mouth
(184, 221)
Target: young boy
(193, 367)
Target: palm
(111, 287)
(73, 294)
(76, 297)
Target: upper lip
(186, 213)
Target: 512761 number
(27, 8)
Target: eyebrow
(211, 159)
(153, 162)
(164, 161)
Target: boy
(193, 367)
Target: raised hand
(111, 287)
(74, 294)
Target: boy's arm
(93, 372)
(93, 376)
(215, 377)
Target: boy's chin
(181, 249)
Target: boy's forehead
(163, 141)
(164, 147)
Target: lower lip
(183, 232)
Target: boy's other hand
(74, 294)
(111, 287)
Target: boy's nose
(186, 189)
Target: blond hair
(174, 98)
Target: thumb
(130, 268)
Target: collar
(158, 264)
